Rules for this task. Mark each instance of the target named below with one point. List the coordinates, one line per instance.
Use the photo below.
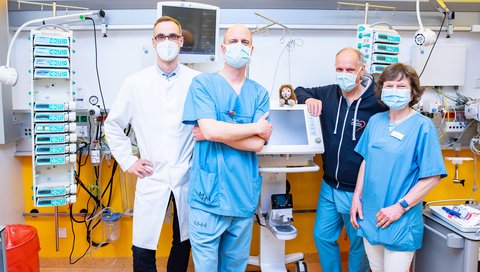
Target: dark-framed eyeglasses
(170, 37)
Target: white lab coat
(154, 107)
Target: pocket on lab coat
(206, 188)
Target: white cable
(418, 15)
(290, 46)
(40, 21)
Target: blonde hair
(168, 19)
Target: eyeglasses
(171, 37)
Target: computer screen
(295, 131)
(200, 29)
(289, 128)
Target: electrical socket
(455, 126)
(82, 131)
(62, 233)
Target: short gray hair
(361, 60)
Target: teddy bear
(287, 95)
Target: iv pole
(367, 6)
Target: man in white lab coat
(152, 102)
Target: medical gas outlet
(53, 117)
(455, 126)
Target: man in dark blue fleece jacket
(344, 109)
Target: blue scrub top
(224, 180)
(394, 162)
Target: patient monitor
(295, 131)
(295, 140)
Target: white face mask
(167, 50)
(346, 81)
(396, 99)
(237, 55)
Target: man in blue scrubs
(344, 109)
(230, 112)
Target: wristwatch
(404, 204)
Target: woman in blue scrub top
(402, 163)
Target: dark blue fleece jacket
(340, 161)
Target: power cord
(96, 62)
(433, 47)
(98, 75)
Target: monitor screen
(200, 28)
(295, 131)
(289, 128)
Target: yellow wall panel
(305, 189)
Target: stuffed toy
(287, 95)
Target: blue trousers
(333, 212)
(219, 243)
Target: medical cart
(446, 248)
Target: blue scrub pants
(333, 212)
(219, 243)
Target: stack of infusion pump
(379, 45)
(53, 118)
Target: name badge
(397, 135)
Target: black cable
(433, 47)
(73, 242)
(96, 172)
(258, 220)
(128, 129)
(73, 218)
(110, 184)
(96, 62)
(88, 191)
(79, 159)
(98, 75)
(88, 236)
(99, 136)
(88, 224)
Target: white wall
(122, 53)
(11, 183)
(310, 63)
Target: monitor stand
(274, 169)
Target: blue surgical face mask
(346, 81)
(396, 99)
(237, 55)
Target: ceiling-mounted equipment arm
(442, 7)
